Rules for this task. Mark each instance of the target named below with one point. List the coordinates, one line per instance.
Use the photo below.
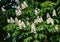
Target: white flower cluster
(54, 12)
(11, 20)
(33, 28)
(49, 19)
(48, 16)
(17, 22)
(21, 24)
(2, 8)
(38, 20)
(56, 28)
(36, 11)
(18, 11)
(24, 5)
(28, 23)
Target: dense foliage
(30, 21)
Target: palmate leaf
(36, 41)
(50, 28)
(11, 28)
(48, 4)
(39, 29)
(28, 39)
(42, 36)
(10, 13)
(16, 34)
(27, 33)
(27, 28)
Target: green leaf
(42, 36)
(36, 41)
(15, 34)
(28, 39)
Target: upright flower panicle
(48, 16)
(12, 20)
(3, 9)
(16, 21)
(8, 20)
(28, 18)
(33, 28)
(19, 8)
(36, 11)
(54, 12)
(18, 12)
(28, 23)
(21, 24)
(50, 20)
(56, 27)
(38, 20)
(24, 5)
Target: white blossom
(8, 20)
(19, 21)
(36, 11)
(21, 24)
(24, 5)
(16, 21)
(18, 12)
(28, 18)
(17, 1)
(56, 27)
(28, 23)
(50, 20)
(48, 16)
(19, 8)
(12, 20)
(3, 9)
(38, 20)
(54, 12)
(33, 28)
